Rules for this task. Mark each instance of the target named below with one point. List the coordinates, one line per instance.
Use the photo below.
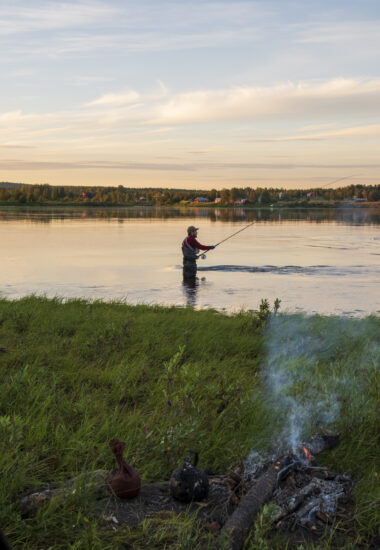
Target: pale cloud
(314, 127)
(88, 80)
(369, 130)
(22, 164)
(18, 119)
(334, 97)
(122, 80)
(128, 26)
(338, 32)
(123, 98)
(126, 42)
(14, 146)
(132, 112)
(43, 16)
(21, 16)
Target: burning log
(321, 443)
(305, 494)
(238, 525)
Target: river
(323, 261)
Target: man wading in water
(190, 250)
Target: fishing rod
(203, 255)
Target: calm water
(325, 261)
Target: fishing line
(339, 179)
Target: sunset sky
(196, 94)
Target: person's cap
(191, 228)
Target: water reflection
(190, 287)
(342, 215)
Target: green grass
(76, 374)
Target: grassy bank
(76, 374)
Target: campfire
(307, 496)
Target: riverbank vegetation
(99, 196)
(76, 374)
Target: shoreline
(292, 205)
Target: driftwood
(153, 498)
(238, 525)
(96, 481)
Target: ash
(307, 495)
(310, 497)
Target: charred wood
(238, 525)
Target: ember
(307, 454)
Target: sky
(198, 95)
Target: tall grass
(76, 374)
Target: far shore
(247, 206)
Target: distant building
(310, 195)
(142, 199)
(86, 195)
(242, 200)
(217, 200)
(201, 199)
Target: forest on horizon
(42, 193)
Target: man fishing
(190, 250)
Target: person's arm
(195, 244)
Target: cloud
(15, 146)
(127, 115)
(369, 130)
(338, 32)
(43, 16)
(125, 26)
(112, 99)
(333, 97)
(18, 164)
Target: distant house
(310, 195)
(142, 199)
(217, 200)
(360, 199)
(201, 199)
(242, 200)
(86, 195)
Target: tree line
(29, 194)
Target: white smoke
(301, 386)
